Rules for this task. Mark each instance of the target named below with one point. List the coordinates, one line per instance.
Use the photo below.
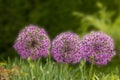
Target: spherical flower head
(97, 48)
(66, 48)
(32, 42)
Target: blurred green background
(80, 16)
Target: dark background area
(54, 15)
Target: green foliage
(50, 70)
(101, 20)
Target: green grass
(47, 69)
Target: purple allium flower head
(66, 48)
(97, 47)
(32, 42)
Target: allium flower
(32, 42)
(66, 48)
(97, 47)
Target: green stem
(91, 71)
(66, 72)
